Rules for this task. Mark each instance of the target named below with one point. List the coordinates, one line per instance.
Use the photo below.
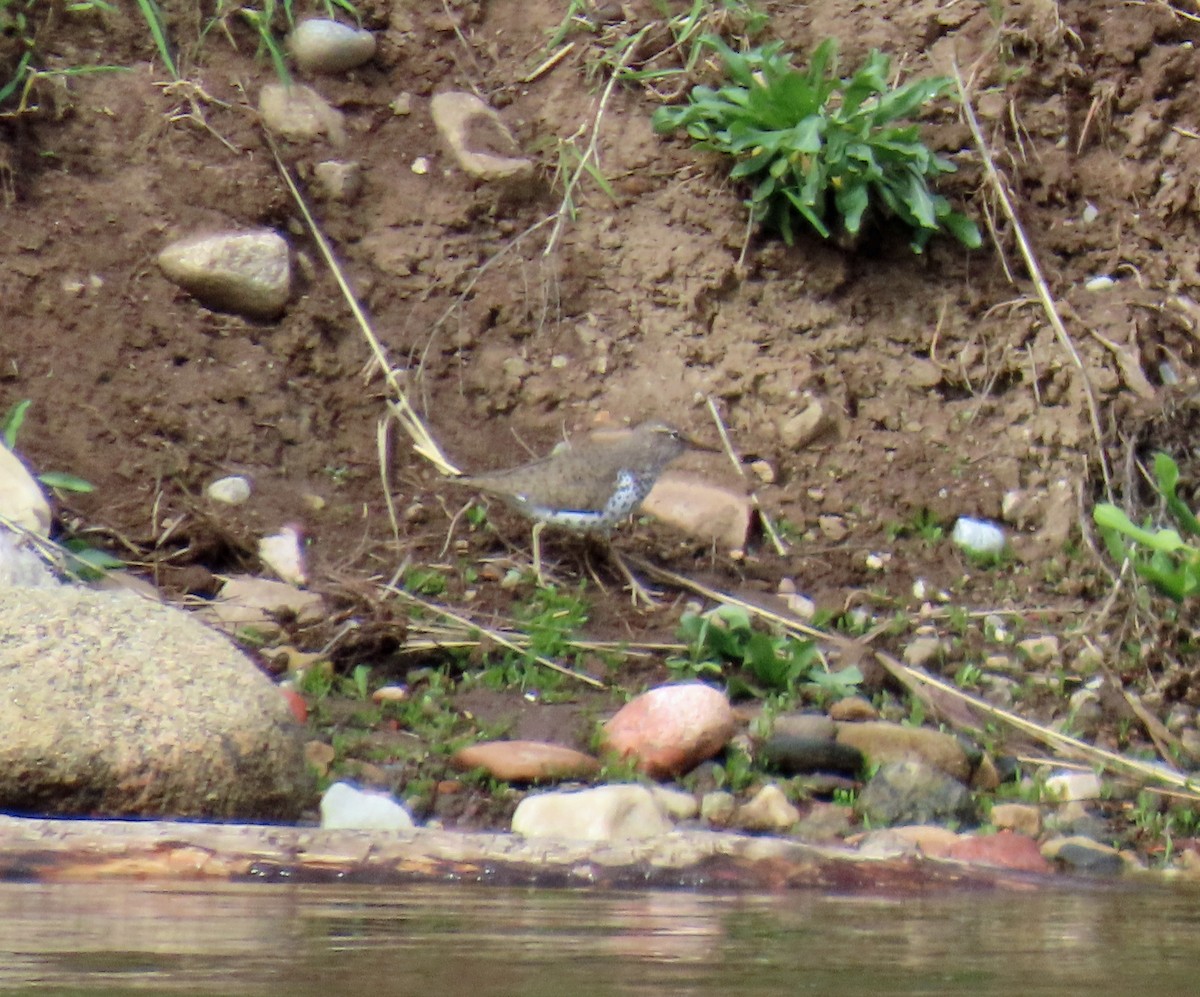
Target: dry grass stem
(564, 209)
(768, 526)
(423, 441)
(914, 678)
(496, 636)
(1035, 273)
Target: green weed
(767, 662)
(811, 143)
(1160, 555)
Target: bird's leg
(638, 591)
(537, 553)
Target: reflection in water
(374, 941)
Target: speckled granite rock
(111, 704)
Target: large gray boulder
(114, 705)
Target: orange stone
(526, 761)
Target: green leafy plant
(770, 662)
(812, 143)
(1158, 554)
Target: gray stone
(718, 807)
(117, 705)
(913, 793)
(320, 45)
(881, 741)
(300, 114)
(606, 813)
(478, 139)
(811, 726)
(1083, 855)
(248, 273)
(338, 180)
(801, 755)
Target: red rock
(526, 761)
(296, 704)
(1005, 850)
(671, 729)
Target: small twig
(776, 539)
(549, 64)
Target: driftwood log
(82, 850)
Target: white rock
(675, 803)
(233, 490)
(22, 501)
(606, 813)
(300, 114)
(1101, 283)
(248, 273)
(1072, 787)
(978, 536)
(320, 45)
(345, 808)
(770, 810)
(283, 553)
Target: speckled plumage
(591, 485)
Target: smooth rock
(248, 273)
(825, 822)
(676, 803)
(921, 651)
(882, 742)
(703, 510)
(606, 813)
(811, 726)
(390, 694)
(853, 709)
(670, 730)
(768, 811)
(1041, 652)
(248, 602)
(525, 761)
(232, 490)
(483, 147)
(928, 839)
(115, 705)
(22, 500)
(345, 808)
(1083, 855)
(283, 553)
(801, 755)
(300, 114)
(1019, 817)
(320, 45)
(718, 807)
(911, 792)
(339, 181)
(801, 429)
(1004, 850)
(20, 564)
(1071, 787)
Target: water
(117, 939)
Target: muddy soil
(944, 385)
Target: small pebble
(320, 45)
(233, 490)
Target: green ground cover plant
(1161, 555)
(813, 145)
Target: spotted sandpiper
(588, 486)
